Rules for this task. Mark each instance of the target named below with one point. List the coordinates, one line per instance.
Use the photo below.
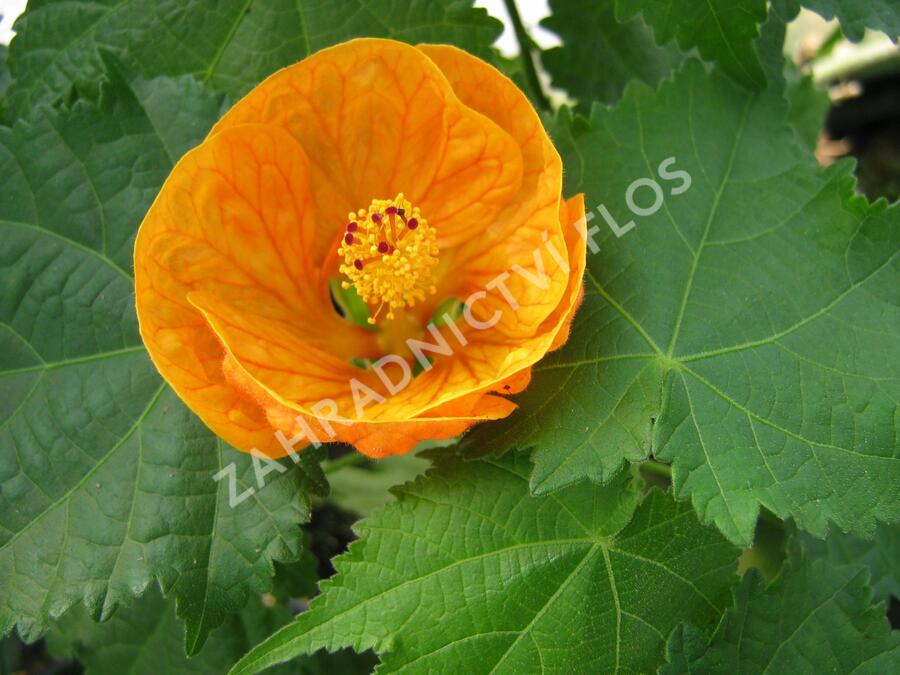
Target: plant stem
(651, 466)
(349, 459)
(526, 55)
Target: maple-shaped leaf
(880, 555)
(599, 55)
(146, 639)
(817, 617)
(467, 572)
(855, 15)
(106, 479)
(724, 31)
(741, 321)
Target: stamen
(374, 318)
(390, 269)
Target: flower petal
(233, 259)
(574, 225)
(376, 117)
(375, 438)
(531, 222)
(233, 223)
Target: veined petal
(491, 361)
(232, 228)
(234, 258)
(373, 437)
(377, 117)
(530, 226)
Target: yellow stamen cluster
(389, 254)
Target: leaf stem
(526, 55)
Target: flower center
(389, 253)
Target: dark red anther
(376, 217)
(358, 264)
(349, 238)
(383, 247)
(391, 210)
(413, 223)
(352, 227)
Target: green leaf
(178, 127)
(4, 71)
(855, 15)
(747, 331)
(880, 555)
(468, 573)
(807, 104)
(298, 579)
(363, 489)
(723, 30)
(816, 618)
(146, 638)
(106, 479)
(599, 55)
(229, 44)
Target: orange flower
(412, 175)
